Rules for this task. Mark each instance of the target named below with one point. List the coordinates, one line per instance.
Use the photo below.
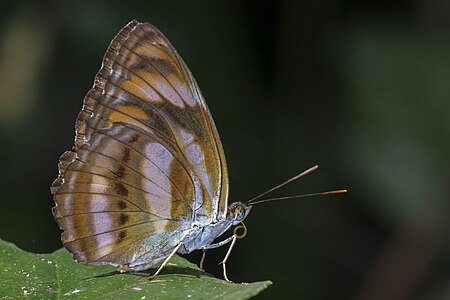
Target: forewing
(147, 158)
(143, 81)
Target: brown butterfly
(147, 176)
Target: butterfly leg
(231, 239)
(219, 244)
(216, 245)
(166, 261)
(202, 260)
(224, 261)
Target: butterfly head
(237, 212)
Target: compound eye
(239, 213)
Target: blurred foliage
(360, 87)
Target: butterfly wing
(147, 160)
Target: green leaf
(58, 276)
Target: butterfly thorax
(201, 236)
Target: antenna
(299, 196)
(312, 169)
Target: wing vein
(128, 166)
(130, 185)
(168, 177)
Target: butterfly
(147, 176)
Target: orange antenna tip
(335, 192)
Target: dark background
(359, 87)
